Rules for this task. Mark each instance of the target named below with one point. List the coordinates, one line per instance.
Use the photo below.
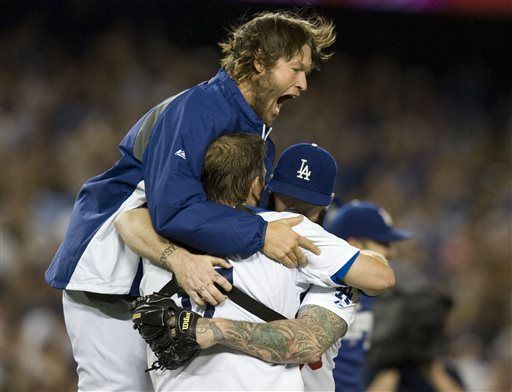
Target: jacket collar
(232, 91)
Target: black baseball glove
(167, 328)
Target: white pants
(110, 354)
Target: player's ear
(258, 65)
(257, 186)
(355, 242)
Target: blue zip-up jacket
(161, 161)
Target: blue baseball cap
(362, 219)
(305, 172)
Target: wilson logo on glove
(185, 322)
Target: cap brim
(299, 193)
(395, 235)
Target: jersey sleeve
(334, 261)
(172, 164)
(337, 300)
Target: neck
(312, 212)
(245, 87)
(252, 201)
(314, 216)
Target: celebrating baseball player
(324, 313)
(367, 226)
(265, 64)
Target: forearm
(384, 261)
(275, 342)
(285, 341)
(370, 273)
(137, 232)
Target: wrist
(171, 256)
(205, 333)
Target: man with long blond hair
(265, 63)
(270, 57)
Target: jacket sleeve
(172, 164)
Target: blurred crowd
(433, 148)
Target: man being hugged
(233, 175)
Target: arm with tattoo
(302, 340)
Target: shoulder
(270, 216)
(202, 102)
(305, 225)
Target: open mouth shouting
(283, 99)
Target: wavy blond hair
(270, 36)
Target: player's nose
(302, 83)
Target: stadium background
(415, 106)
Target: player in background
(308, 172)
(366, 226)
(265, 63)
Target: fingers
(171, 322)
(287, 262)
(199, 277)
(206, 296)
(301, 257)
(218, 262)
(222, 282)
(207, 293)
(291, 221)
(215, 293)
(196, 297)
(309, 245)
(293, 257)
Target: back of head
(270, 36)
(231, 164)
(365, 220)
(305, 172)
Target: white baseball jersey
(276, 286)
(318, 376)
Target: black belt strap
(172, 287)
(237, 296)
(252, 305)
